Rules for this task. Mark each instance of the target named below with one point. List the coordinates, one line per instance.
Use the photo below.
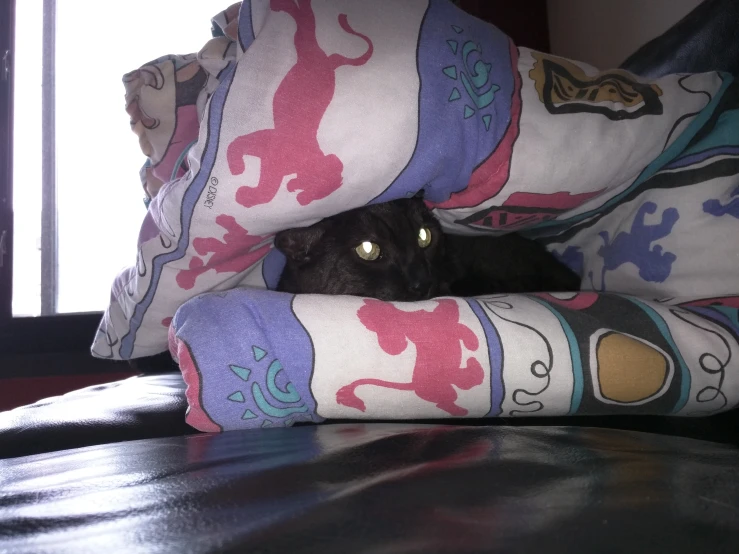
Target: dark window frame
(32, 346)
(7, 40)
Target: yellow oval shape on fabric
(629, 370)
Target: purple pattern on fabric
(572, 257)
(721, 314)
(189, 200)
(252, 376)
(717, 209)
(246, 28)
(495, 355)
(466, 77)
(701, 156)
(149, 229)
(272, 268)
(635, 246)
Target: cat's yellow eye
(424, 237)
(368, 251)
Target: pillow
(254, 358)
(313, 108)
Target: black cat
(397, 251)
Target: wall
(604, 33)
(525, 21)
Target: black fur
(321, 258)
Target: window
(71, 201)
(77, 197)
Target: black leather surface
(704, 40)
(135, 408)
(154, 406)
(380, 489)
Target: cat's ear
(297, 243)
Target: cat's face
(389, 251)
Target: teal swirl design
(474, 73)
(477, 76)
(291, 395)
(270, 410)
(278, 404)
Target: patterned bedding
(297, 110)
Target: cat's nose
(419, 281)
(420, 286)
